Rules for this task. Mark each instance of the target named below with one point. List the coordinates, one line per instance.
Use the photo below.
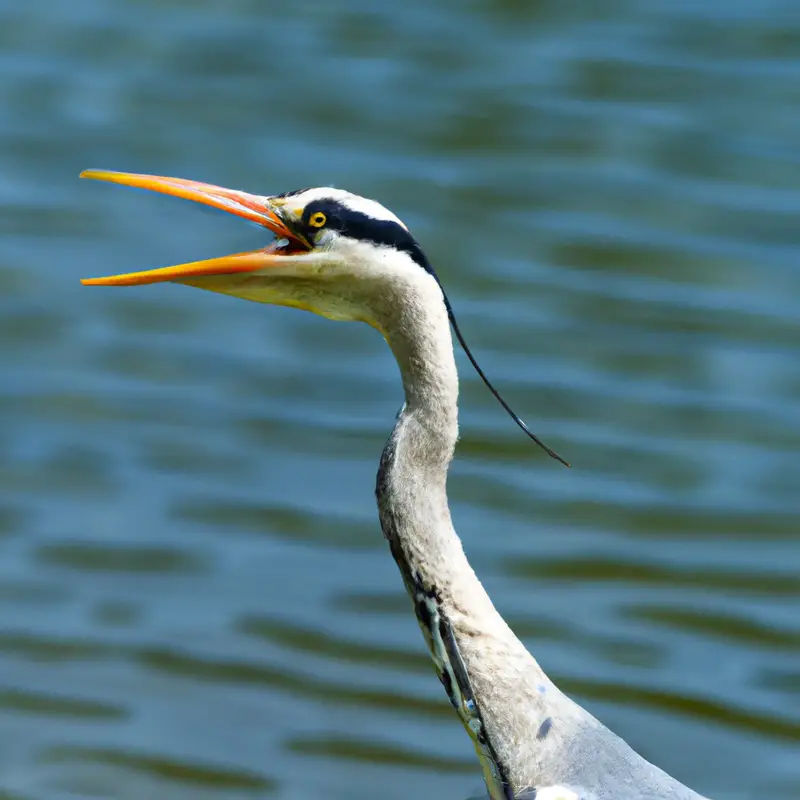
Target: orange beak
(248, 206)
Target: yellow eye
(317, 219)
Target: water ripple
(97, 557)
(49, 705)
(189, 553)
(287, 523)
(336, 746)
(173, 770)
(719, 625)
(310, 640)
(243, 673)
(586, 570)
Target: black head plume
(451, 314)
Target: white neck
(415, 517)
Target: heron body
(346, 257)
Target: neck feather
(482, 664)
(412, 480)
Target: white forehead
(354, 202)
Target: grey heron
(346, 257)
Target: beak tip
(100, 175)
(113, 280)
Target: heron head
(337, 254)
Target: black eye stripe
(365, 228)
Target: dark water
(195, 599)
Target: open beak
(251, 207)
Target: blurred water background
(195, 597)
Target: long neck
(478, 657)
(526, 733)
(412, 480)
